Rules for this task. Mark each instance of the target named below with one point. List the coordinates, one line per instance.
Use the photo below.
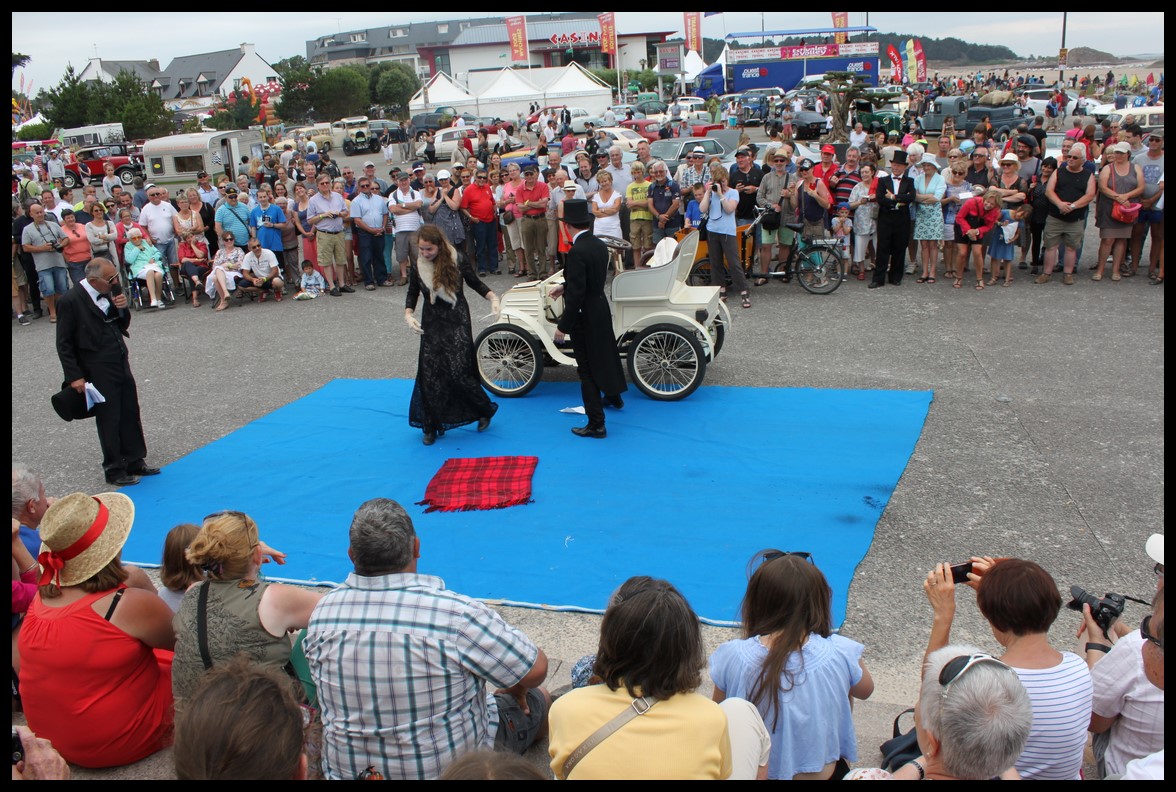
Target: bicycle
(817, 264)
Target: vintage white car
(446, 141)
(666, 330)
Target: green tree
(340, 92)
(298, 80)
(67, 104)
(19, 59)
(128, 99)
(396, 86)
(35, 132)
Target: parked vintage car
(353, 135)
(440, 118)
(446, 141)
(645, 127)
(674, 150)
(808, 125)
(89, 164)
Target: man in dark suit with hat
(896, 194)
(588, 318)
(92, 321)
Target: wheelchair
(138, 297)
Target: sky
(74, 38)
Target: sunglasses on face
(1145, 631)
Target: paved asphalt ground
(1044, 439)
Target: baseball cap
(804, 164)
(416, 166)
(442, 174)
(743, 150)
(828, 149)
(1122, 148)
(230, 191)
(369, 164)
(202, 175)
(403, 175)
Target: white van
(1148, 118)
(177, 159)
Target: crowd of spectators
(392, 675)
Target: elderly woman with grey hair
(972, 718)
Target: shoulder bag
(1123, 213)
(639, 706)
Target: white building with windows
(197, 82)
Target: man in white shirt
(404, 204)
(261, 272)
(858, 137)
(55, 166)
(156, 216)
(610, 118)
(1128, 677)
(459, 122)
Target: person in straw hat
(96, 655)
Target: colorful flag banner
(608, 33)
(841, 20)
(908, 59)
(692, 25)
(516, 32)
(895, 63)
(920, 62)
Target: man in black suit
(896, 194)
(92, 320)
(588, 318)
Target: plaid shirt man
(406, 673)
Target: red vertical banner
(608, 33)
(895, 64)
(516, 31)
(920, 62)
(693, 28)
(841, 20)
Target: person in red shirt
(531, 202)
(477, 201)
(826, 169)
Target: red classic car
(645, 127)
(89, 164)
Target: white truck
(93, 135)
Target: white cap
(1155, 547)
(442, 174)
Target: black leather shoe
(429, 438)
(590, 431)
(144, 471)
(484, 421)
(875, 285)
(347, 290)
(122, 480)
(615, 401)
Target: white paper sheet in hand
(93, 396)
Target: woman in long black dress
(447, 392)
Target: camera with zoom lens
(1104, 610)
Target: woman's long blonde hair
(224, 547)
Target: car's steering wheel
(615, 243)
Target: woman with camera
(718, 207)
(1020, 601)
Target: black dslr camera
(1104, 610)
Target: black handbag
(902, 747)
(771, 220)
(702, 230)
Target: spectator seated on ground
(262, 272)
(406, 670)
(1151, 767)
(1128, 716)
(244, 614)
(1020, 601)
(650, 661)
(146, 264)
(95, 654)
(242, 723)
(800, 675)
(972, 718)
(176, 572)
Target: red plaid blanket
(480, 483)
